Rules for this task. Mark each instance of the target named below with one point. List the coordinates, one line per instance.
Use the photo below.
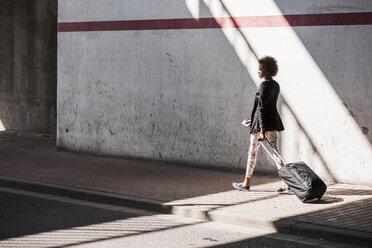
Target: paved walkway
(32, 162)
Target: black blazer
(264, 114)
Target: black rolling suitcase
(301, 179)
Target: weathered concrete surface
(28, 65)
(180, 95)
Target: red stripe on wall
(364, 18)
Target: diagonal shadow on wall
(283, 101)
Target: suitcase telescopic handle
(272, 157)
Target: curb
(85, 194)
(332, 233)
(279, 225)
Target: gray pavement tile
(288, 237)
(312, 241)
(339, 245)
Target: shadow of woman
(326, 200)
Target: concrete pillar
(28, 31)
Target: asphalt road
(37, 220)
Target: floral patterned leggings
(272, 138)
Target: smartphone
(245, 123)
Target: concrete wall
(28, 62)
(180, 94)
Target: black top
(264, 113)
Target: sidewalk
(31, 162)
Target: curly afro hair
(269, 66)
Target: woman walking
(265, 121)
